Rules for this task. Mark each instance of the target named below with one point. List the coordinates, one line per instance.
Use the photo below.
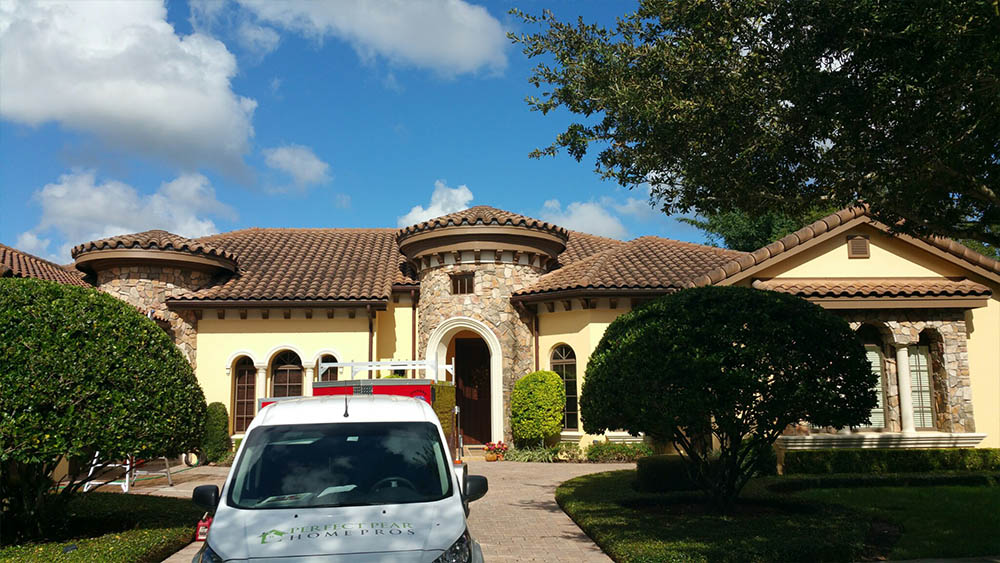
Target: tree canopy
(733, 363)
(768, 105)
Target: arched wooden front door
(472, 389)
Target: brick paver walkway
(517, 520)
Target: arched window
(872, 341)
(329, 374)
(244, 394)
(286, 375)
(564, 363)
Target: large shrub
(82, 372)
(216, 444)
(736, 364)
(536, 407)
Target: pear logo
(273, 536)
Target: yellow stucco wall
(394, 332)
(220, 342)
(580, 329)
(892, 257)
(984, 368)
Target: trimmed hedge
(795, 483)
(536, 407)
(113, 528)
(883, 461)
(217, 444)
(608, 452)
(444, 406)
(663, 473)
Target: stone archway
(437, 351)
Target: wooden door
(472, 389)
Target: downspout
(371, 338)
(413, 329)
(413, 324)
(535, 327)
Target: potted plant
(495, 450)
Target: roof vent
(858, 247)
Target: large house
(500, 295)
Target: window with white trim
(329, 374)
(564, 363)
(920, 387)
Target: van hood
(402, 532)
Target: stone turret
(470, 263)
(144, 269)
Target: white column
(903, 384)
(260, 386)
(307, 381)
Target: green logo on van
(273, 536)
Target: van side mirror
(476, 487)
(206, 496)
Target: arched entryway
(478, 375)
(471, 358)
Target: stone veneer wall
(148, 287)
(489, 303)
(948, 341)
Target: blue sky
(207, 116)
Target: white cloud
(299, 162)
(588, 217)
(448, 36)
(33, 244)
(119, 71)
(78, 209)
(256, 38)
(342, 201)
(444, 200)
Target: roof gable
(838, 224)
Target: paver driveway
(518, 520)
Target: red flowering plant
(499, 448)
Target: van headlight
(459, 552)
(209, 556)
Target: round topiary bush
(216, 443)
(536, 407)
(82, 371)
(729, 365)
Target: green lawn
(934, 521)
(113, 528)
(815, 525)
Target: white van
(345, 478)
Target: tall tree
(758, 105)
(739, 230)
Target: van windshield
(344, 464)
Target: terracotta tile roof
(875, 287)
(581, 245)
(643, 263)
(309, 264)
(483, 215)
(825, 224)
(19, 264)
(155, 239)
